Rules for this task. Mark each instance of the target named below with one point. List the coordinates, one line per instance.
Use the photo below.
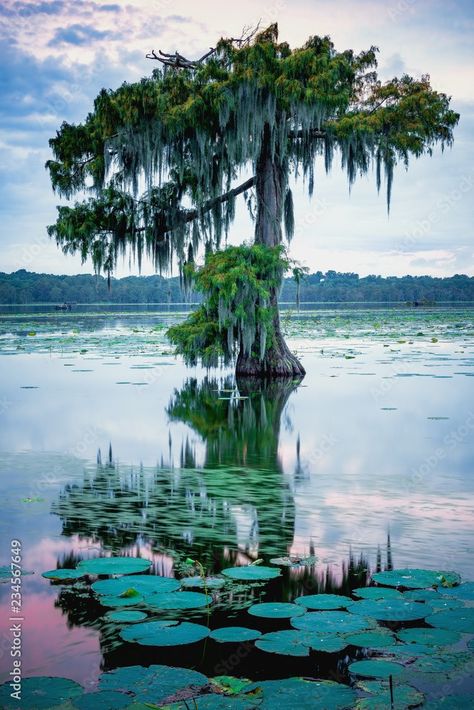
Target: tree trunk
(278, 361)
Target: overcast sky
(57, 55)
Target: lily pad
(275, 610)
(463, 591)
(287, 643)
(199, 582)
(404, 696)
(234, 634)
(294, 561)
(125, 616)
(420, 595)
(302, 694)
(375, 668)
(103, 699)
(450, 702)
(377, 593)
(251, 573)
(214, 701)
(327, 644)
(416, 578)
(114, 565)
(323, 602)
(454, 619)
(120, 601)
(63, 574)
(331, 622)
(142, 583)
(389, 609)
(408, 649)
(153, 684)
(371, 639)
(177, 600)
(41, 693)
(164, 633)
(440, 603)
(442, 663)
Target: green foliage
(161, 155)
(238, 311)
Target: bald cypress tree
(162, 160)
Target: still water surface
(110, 445)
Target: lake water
(110, 445)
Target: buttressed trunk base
(278, 360)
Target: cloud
(109, 8)
(29, 9)
(79, 35)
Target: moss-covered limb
(113, 223)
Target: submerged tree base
(279, 361)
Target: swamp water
(111, 447)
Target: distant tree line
(23, 287)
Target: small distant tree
(162, 158)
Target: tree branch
(177, 61)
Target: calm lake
(110, 445)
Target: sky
(58, 54)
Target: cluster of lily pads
(385, 659)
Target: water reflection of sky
(375, 440)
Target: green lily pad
(234, 634)
(63, 574)
(420, 595)
(287, 643)
(371, 639)
(404, 696)
(103, 699)
(114, 565)
(389, 609)
(177, 600)
(153, 684)
(450, 702)
(440, 603)
(448, 663)
(327, 644)
(121, 601)
(142, 583)
(430, 637)
(41, 693)
(323, 602)
(214, 701)
(331, 622)
(377, 593)
(275, 610)
(199, 582)
(294, 561)
(302, 694)
(408, 649)
(125, 616)
(463, 591)
(251, 573)
(416, 578)
(375, 668)
(229, 684)
(164, 633)
(454, 619)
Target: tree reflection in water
(234, 508)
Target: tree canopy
(160, 157)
